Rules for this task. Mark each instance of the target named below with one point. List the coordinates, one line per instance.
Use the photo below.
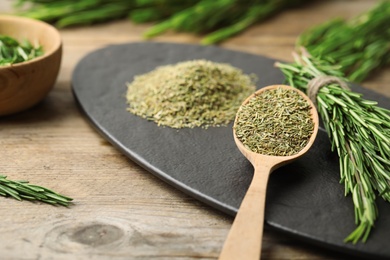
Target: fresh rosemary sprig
(359, 131)
(359, 45)
(23, 190)
(219, 19)
(69, 13)
(11, 51)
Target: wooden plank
(121, 211)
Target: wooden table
(120, 211)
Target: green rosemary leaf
(49, 201)
(31, 187)
(24, 190)
(10, 192)
(357, 117)
(323, 104)
(11, 51)
(380, 134)
(85, 17)
(253, 15)
(52, 193)
(27, 197)
(57, 197)
(62, 203)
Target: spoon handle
(245, 237)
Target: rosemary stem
(23, 190)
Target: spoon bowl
(244, 240)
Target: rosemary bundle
(219, 19)
(12, 51)
(359, 130)
(23, 190)
(359, 45)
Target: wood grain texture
(121, 211)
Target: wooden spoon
(245, 237)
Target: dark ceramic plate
(304, 198)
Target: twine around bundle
(317, 83)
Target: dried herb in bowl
(190, 94)
(13, 51)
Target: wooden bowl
(22, 85)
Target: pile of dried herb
(219, 19)
(190, 94)
(275, 122)
(13, 51)
(359, 129)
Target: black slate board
(304, 199)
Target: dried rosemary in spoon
(275, 122)
(189, 94)
(273, 112)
